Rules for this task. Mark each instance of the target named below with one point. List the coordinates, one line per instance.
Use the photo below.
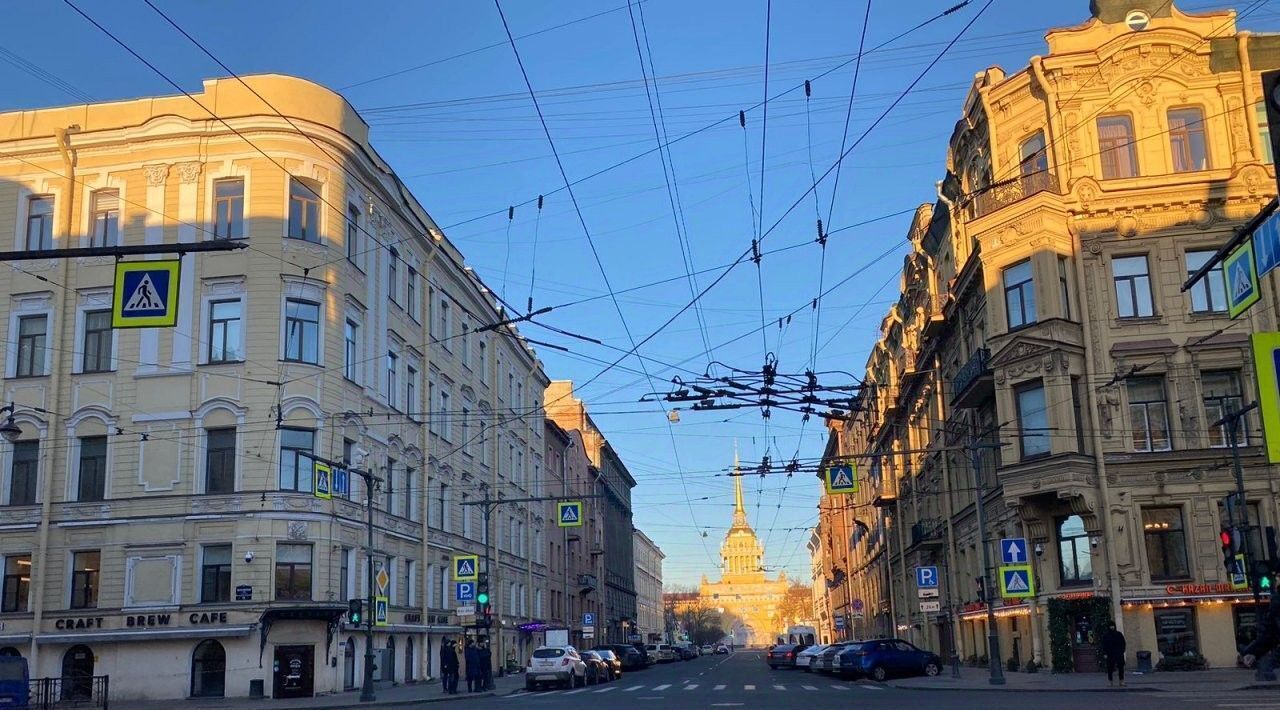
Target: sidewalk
(388, 696)
(977, 679)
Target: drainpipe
(1251, 98)
(66, 220)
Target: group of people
(478, 659)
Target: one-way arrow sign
(1013, 550)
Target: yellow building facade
(1041, 326)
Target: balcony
(587, 583)
(935, 321)
(1014, 191)
(930, 532)
(973, 384)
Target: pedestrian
(472, 656)
(449, 668)
(1113, 646)
(1267, 637)
(486, 667)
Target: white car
(804, 659)
(560, 665)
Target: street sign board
(569, 514)
(588, 634)
(857, 605)
(383, 579)
(1239, 580)
(1013, 551)
(244, 593)
(1240, 276)
(341, 482)
(927, 577)
(324, 481)
(840, 478)
(465, 591)
(1017, 582)
(466, 568)
(589, 619)
(380, 606)
(1266, 363)
(930, 607)
(465, 610)
(927, 592)
(840, 623)
(1266, 244)
(145, 294)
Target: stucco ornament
(156, 174)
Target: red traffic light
(1225, 537)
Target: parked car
(722, 649)
(706, 649)
(687, 652)
(609, 656)
(665, 652)
(825, 662)
(631, 658)
(15, 682)
(598, 670)
(783, 655)
(648, 658)
(805, 658)
(883, 658)
(561, 665)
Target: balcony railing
(930, 531)
(587, 582)
(992, 199)
(971, 384)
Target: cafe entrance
(294, 672)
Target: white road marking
(575, 692)
(718, 687)
(605, 690)
(839, 687)
(726, 705)
(808, 687)
(634, 687)
(870, 687)
(664, 686)
(748, 687)
(779, 687)
(691, 687)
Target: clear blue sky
(471, 144)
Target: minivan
(15, 682)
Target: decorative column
(188, 211)
(153, 233)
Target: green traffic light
(1265, 583)
(482, 598)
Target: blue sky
(463, 134)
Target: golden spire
(739, 510)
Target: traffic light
(1232, 544)
(355, 612)
(1271, 98)
(982, 588)
(483, 607)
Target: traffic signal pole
(367, 693)
(1231, 421)
(993, 632)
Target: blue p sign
(927, 577)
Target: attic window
(1137, 20)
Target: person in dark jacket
(449, 668)
(1267, 637)
(472, 657)
(486, 667)
(1113, 646)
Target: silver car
(805, 658)
(560, 665)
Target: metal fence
(70, 692)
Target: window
(442, 508)
(23, 472)
(483, 351)
(92, 476)
(293, 572)
(1148, 414)
(351, 351)
(15, 588)
(32, 335)
(1033, 420)
(445, 323)
(40, 223)
(84, 579)
(393, 364)
(1133, 287)
(467, 532)
(296, 464)
(464, 421)
(1176, 631)
(1077, 410)
(215, 574)
(1208, 295)
(411, 293)
(445, 416)
(346, 583)
(1116, 147)
(1166, 543)
(1264, 134)
(1222, 396)
(1020, 294)
(486, 457)
(464, 336)
(1187, 140)
(411, 392)
(220, 460)
(393, 270)
(406, 594)
(1034, 156)
(304, 210)
(353, 234)
(106, 219)
(302, 331)
(224, 331)
(228, 209)
(391, 484)
(1064, 287)
(97, 342)
(1075, 562)
(431, 407)
(410, 497)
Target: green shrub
(1182, 663)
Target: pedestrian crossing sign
(569, 514)
(1017, 582)
(1241, 276)
(145, 294)
(324, 485)
(840, 478)
(465, 568)
(1239, 579)
(380, 616)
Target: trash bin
(256, 688)
(1144, 662)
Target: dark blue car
(884, 658)
(14, 682)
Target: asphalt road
(744, 680)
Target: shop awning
(6, 639)
(144, 635)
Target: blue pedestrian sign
(145, 294)
(589, 619)
(927, 577)
(1017, 582)
(1013, 551)
(569, 514)
(840, 479)
(466, 568)
(466, 591)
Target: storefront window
(1176, 632)
(1245, 620)
(1074, 558)
(1166, 543)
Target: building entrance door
(1084, 654)
(294, 672)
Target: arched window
(9, 651)
(349, 664)
(408, 661)
(77, 673)
(208, 670)
(390, 660)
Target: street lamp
(9, 430)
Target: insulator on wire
(755, 251)
(539, 201)
(742, 119)
(808, 89)
(822, 238)
(511, 212)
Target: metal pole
(493, 584)
(951, 617)
(1232, 421)
(993, 634)
(367, 694)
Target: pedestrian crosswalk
(691, 686)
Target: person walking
(472, 656)
(1113, 647)
(486, 667)
(1259, 653)
(449, 668)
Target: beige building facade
(649, 611)
(1041, 325)
(158, 516)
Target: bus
(802, 635)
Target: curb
(1007, 689)
(395, 703)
